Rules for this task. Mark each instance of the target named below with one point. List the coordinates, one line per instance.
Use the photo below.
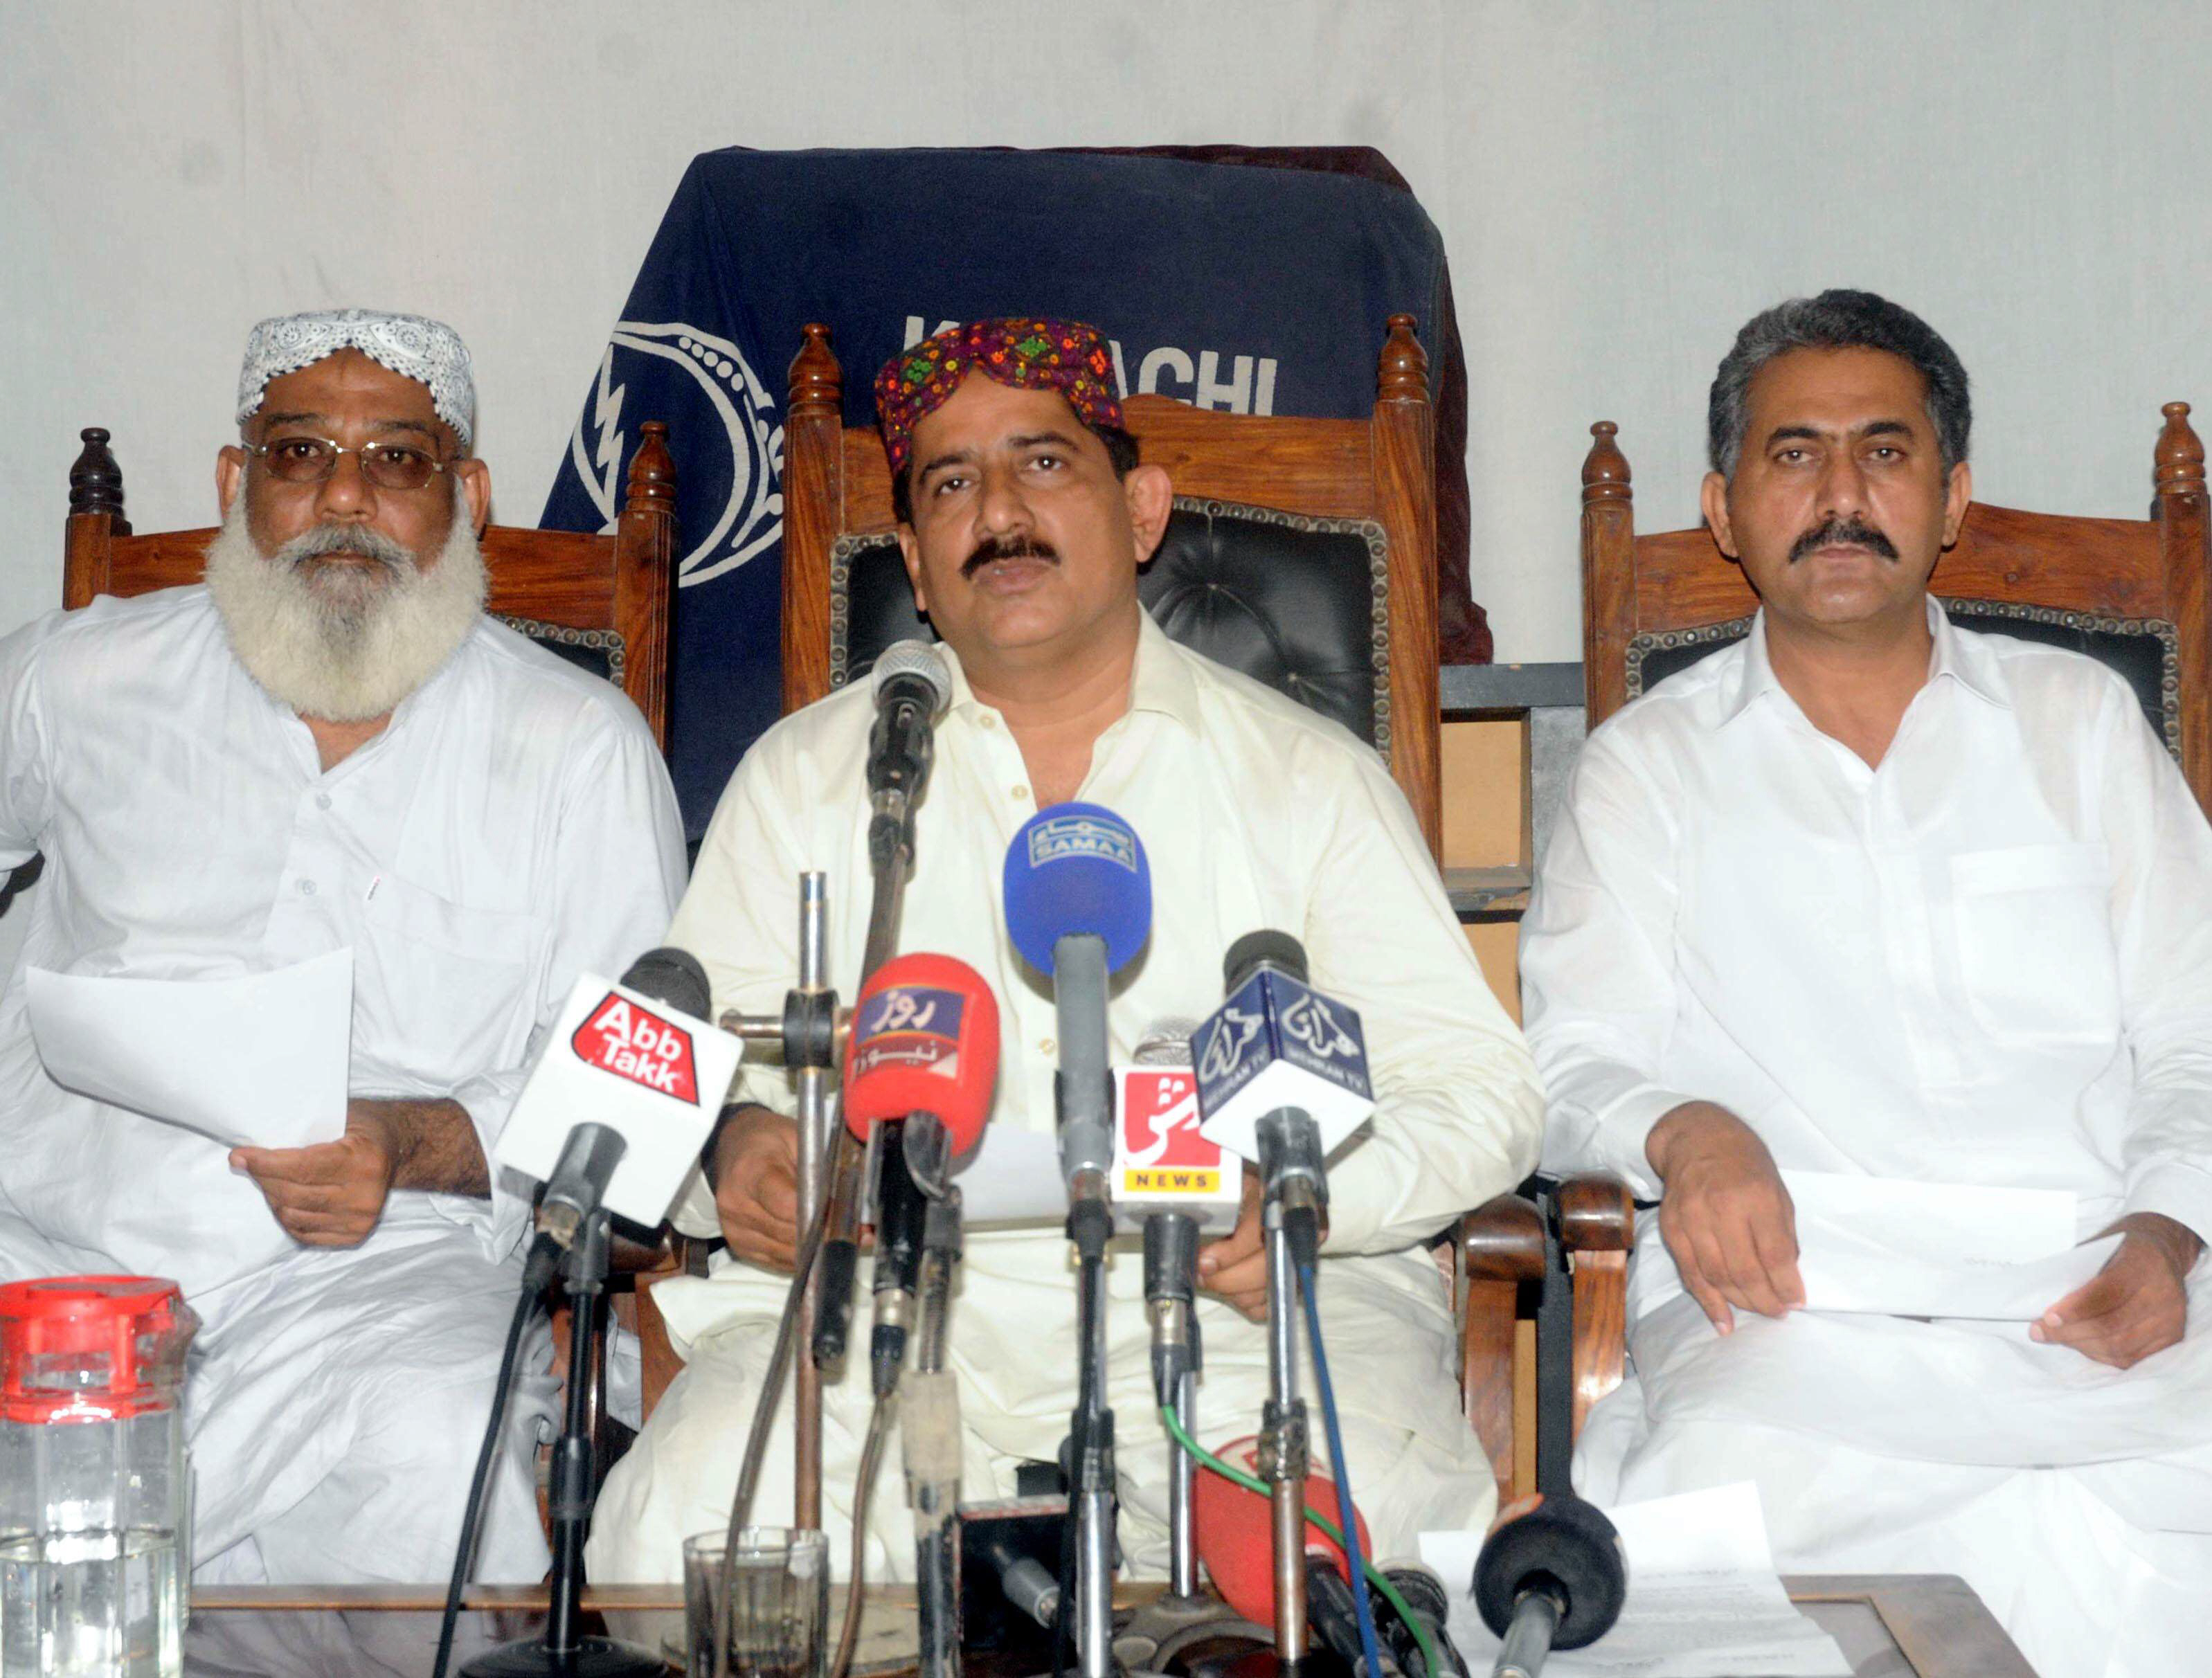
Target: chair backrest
(2131, 593)
(1302, 551)
(600, 601)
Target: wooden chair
(2130, 591)
(1380, 470)
(1333, 478)
(602, 601)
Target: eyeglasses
(395, 466)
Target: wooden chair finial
(652, 469)
(817, 384)
(1605, 468)
(1403, 373)
(2179, 456)
(95, 480)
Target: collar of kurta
(1161, 682)
(1958, 658)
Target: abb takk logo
(621, 1038)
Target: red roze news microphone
(920, 1071)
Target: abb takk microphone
(622, 1096)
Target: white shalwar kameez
(1255, 813)
(1987, 961)
(512, 826)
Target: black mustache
(991, 549)
(1853, 531)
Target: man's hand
(1235, 1267)
(1725, 1215)
(2137, 1305)
(332, 1193)
(757, 1186)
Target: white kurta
(1255, 813)
(511, 827)
(1987, 961)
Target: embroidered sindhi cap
(1028, 354)
(427, 351)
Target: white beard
(343, 643)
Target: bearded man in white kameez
(325, 745)
(1872, 894)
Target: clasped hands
(1730, 1224)
(756, 1202)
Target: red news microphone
(1235, 1535)
(922, 1065)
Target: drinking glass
(777, 1618)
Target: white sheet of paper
(260, 1059)
(1703, 1600)
(1012, 1177)
(1937, 1249)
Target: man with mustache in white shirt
(1024, 514)
(1869, 893)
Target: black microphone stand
(563, 1651)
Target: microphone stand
(815, 1118)
(1285, 1454)
(929, 1431)
(563, 1651)
(1170, 1258)
(1084, 1092)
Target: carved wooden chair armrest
(1544, 1312)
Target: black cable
(525, 1308)
(749, 1470)
(864, 1486)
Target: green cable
(1314, 1518)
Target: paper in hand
(1937, 1249)
(259, 1061)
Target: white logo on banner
(751, 519)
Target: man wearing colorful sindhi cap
(324, 746)
(1023, 516)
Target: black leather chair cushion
(2142, 652)
(596, 652)
(1299, 604)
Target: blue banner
(1252, 289)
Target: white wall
(1619, 183)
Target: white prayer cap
(427, 351)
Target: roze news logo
(909, 1025)
(633, 1042)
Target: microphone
(921, 1068)
(1079, 896)
(622, 1098)
(1551, 1578)
(1282, 1077)
(913, 686)
(1235, 1535)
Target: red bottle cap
(91, 1348)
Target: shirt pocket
(455, 988)
(2035, 948)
